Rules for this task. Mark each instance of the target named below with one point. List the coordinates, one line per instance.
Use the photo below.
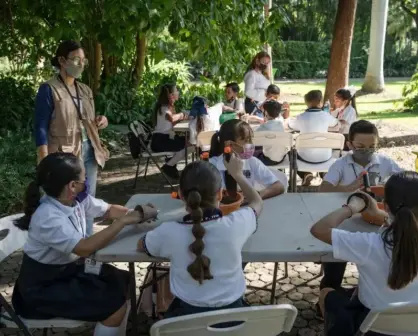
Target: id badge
(92, 266)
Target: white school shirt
(224, 238)
(163, 126)
(207, 126)
(55, 229)
(311, 121)
(345, 171)
(237, 104)
(254, 170)
(373, 261)
(347, 114)
(256, 85)
(273, 125)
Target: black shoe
(170, 171)
(318, 313)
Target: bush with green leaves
(18, 104)
(410, 93)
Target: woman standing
(256, 81)
(65, 119)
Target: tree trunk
(97, 67)
(141, 51)
(339, 64)
(374, 81)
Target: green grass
(387, 106)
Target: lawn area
(387, 105)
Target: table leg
(185, 148)
(134, 312)
(274, 284)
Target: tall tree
(375, 81)
(339, 64)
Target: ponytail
(353, 104)
(216, 148)
(31, 203)
(199, 269)
(402, 237)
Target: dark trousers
(333, 275)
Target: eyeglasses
(79, 61)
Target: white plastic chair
(334, 141)
(204, 139)
(142, 133)
(400, 319)
(260, 321)
(13, 239)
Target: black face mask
(262, 67)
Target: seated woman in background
(387, 261)
(163, 138)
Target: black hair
(231, 130)
(54, 172)
(64, 49)
(345, 94)
(273, 89)
(272, 108)
(162, 100)
(401, 236)
(234, 86)
(314, 97)
(199, 183)
(362, 127)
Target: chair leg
(274, 284)
(146, 169)
(14, 317)
(137, 173)
(159, 168)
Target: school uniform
(347, 114)
(269, 155)
(373, 261)
(254, 170)
(223, 241)
(163, 138)
(256, 85)
(235, 103)
(53, 282)
(345, 171)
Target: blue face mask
(82, 195)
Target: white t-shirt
(224, 238)
(237, 104)
(55, 229)
(373, 261)
(254, 170)
(207, 126)
(274, 125)
(256, 85)
(311, 121)
(163, 126)
(345, 171)
(348, 115)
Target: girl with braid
(204, 247)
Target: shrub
(410, 93)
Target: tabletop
(282, 235)
(182, 126)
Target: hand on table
(141, 214)
(101, 122)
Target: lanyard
(77, 215)
(78, 104)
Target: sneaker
(318, 313)
(170, 171)
(307, 180)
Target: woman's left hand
(101, 122)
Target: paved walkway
(116, 186)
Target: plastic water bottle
(326, 106)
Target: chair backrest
(139, 128)
(139, 137)
(204, 139)
(320, 140)
(399, 319)
(264, 320)
(11, 237)
(277, 140)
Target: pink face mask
(248, 152)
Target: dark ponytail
(401, 237)
(53, 173)
(199, 269)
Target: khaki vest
(65, 130)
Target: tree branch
(406, 9)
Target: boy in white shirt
(314, 119)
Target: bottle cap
(174, 195)
(228, 150)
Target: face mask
(262, 67)
(363, 155)
(248, 152)
(74, 71)
(82, 195)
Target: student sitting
(238, 134)
(345, 175)
(53, 282)
(164, 139)
(387, 261)
(345, 110)
(273, 122)
(233, 102)
(199, 119)
(314, 119)
(204, 247)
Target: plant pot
(374, 220)
(228, 204)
